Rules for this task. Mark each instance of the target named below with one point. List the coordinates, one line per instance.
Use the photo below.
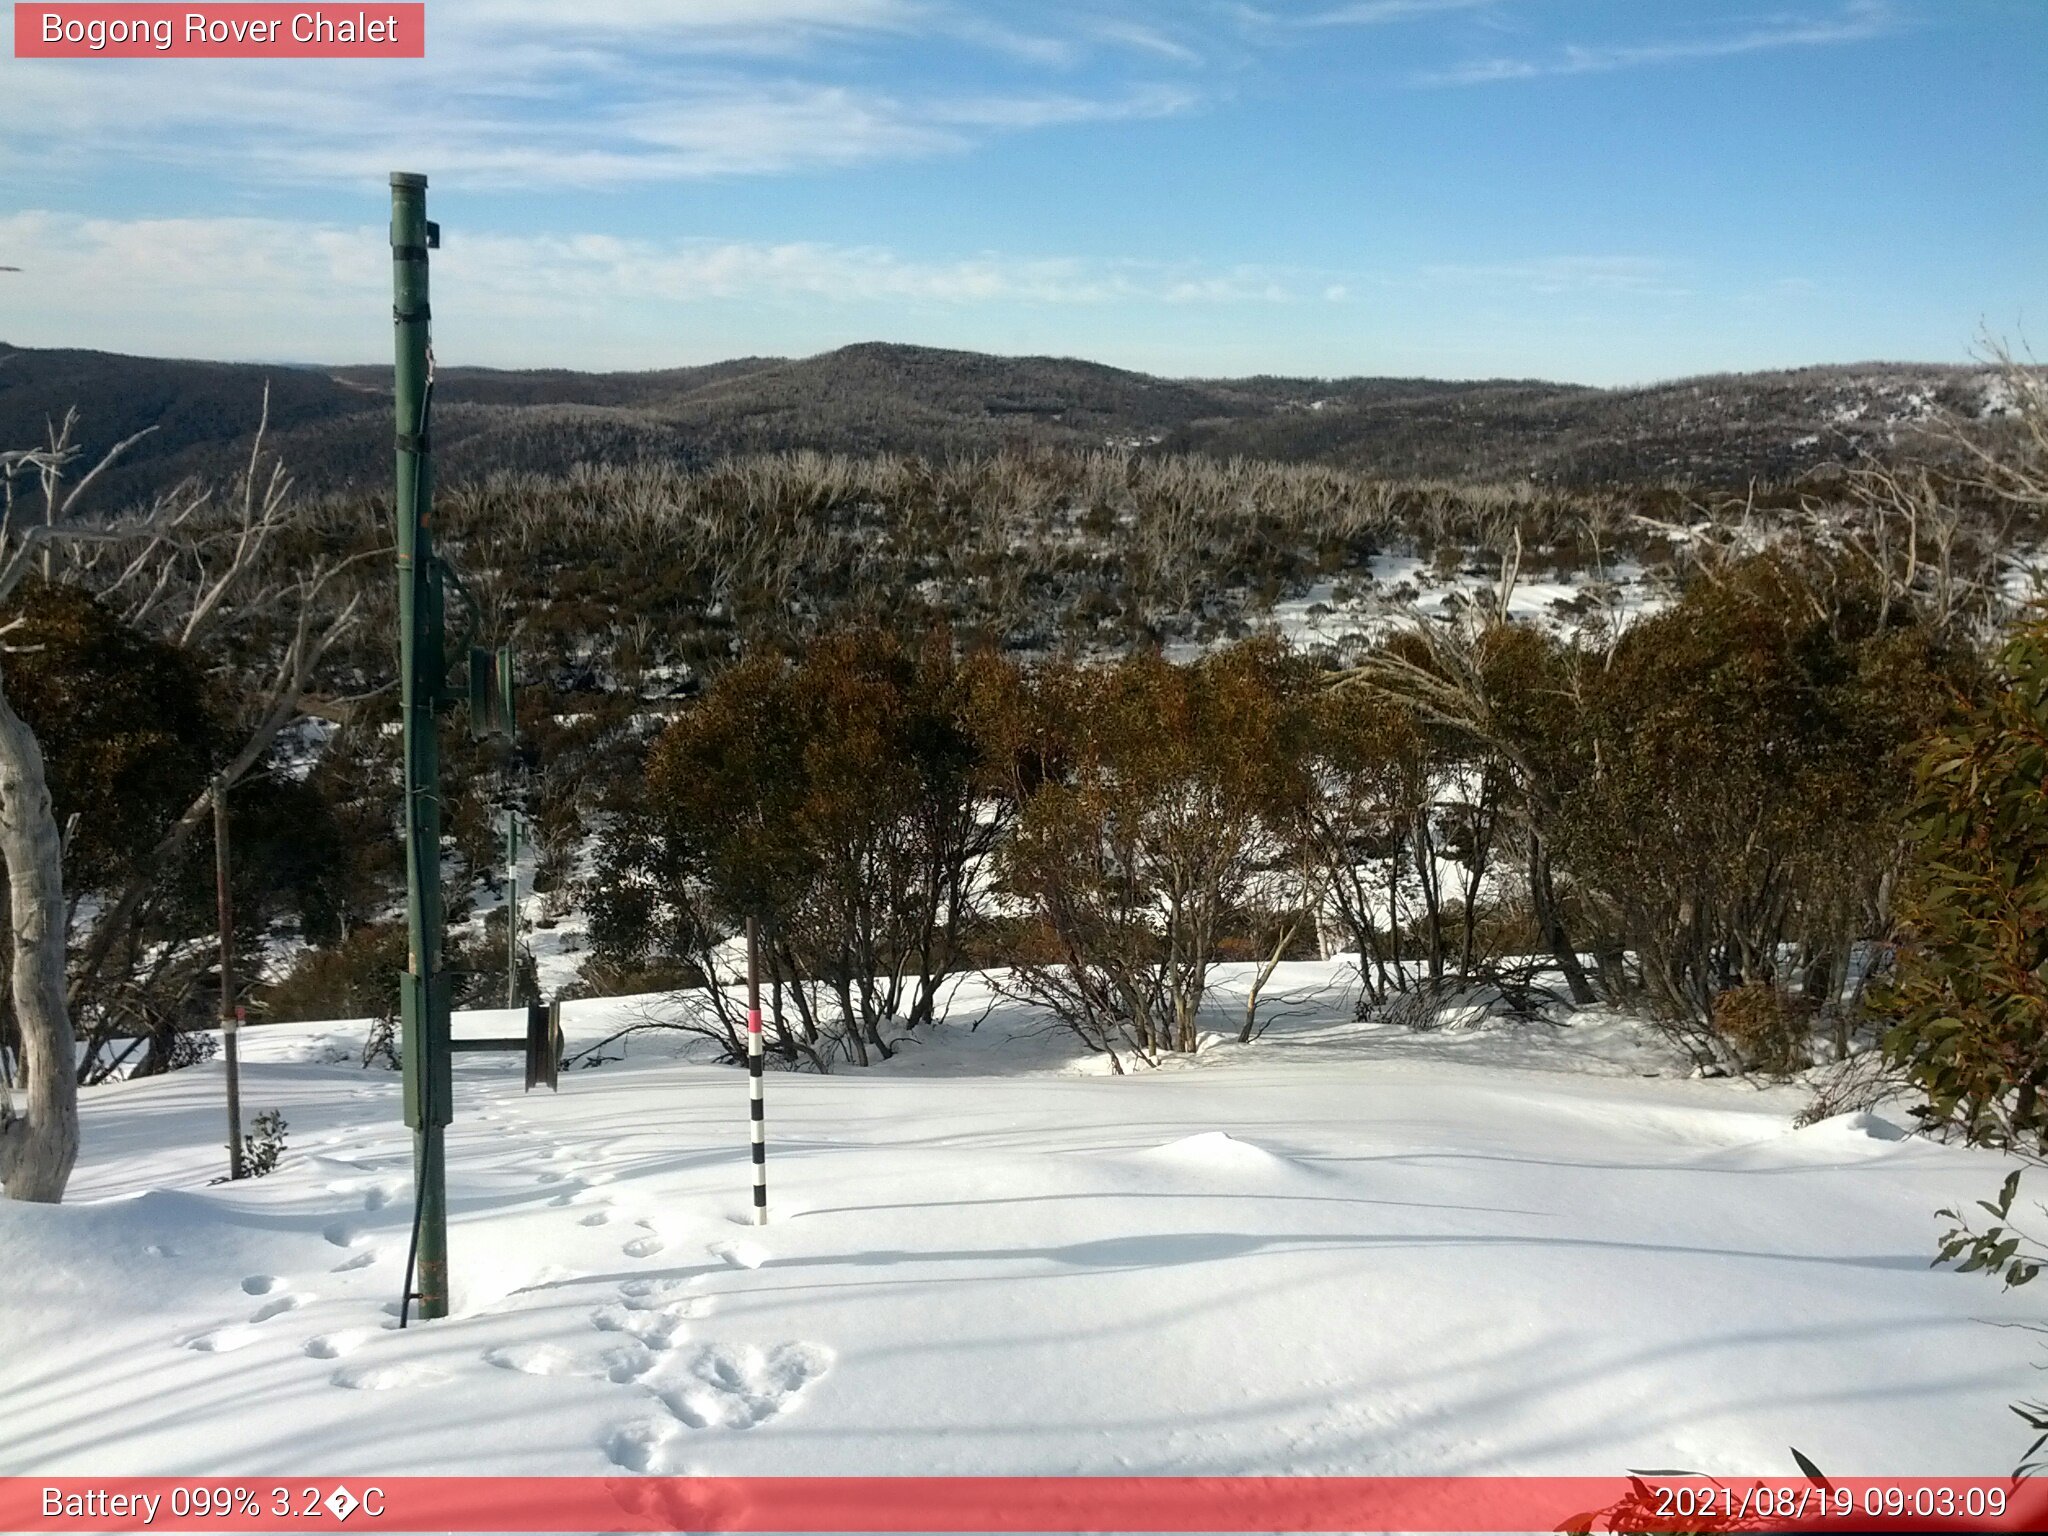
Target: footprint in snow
(664, 1295)
(737, 1386)
(221, 1341)
(650, 1319)
(362, 1260)
(740, 1254)
(535, 1360)
(643, 1247)
(234, 1336)
(340, 1233)
(649, 1290)
(628, 1362)
(649, 1323)
(641, 1446)
(386, 1378)
(658, 1328)
(332, 1346)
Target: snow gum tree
(1150, 795)
(844, 801)
(38, 1137)
(128, 735)
(1970, 995)
(1490, 706)
(1745, 772)
(191, 573)
(1710, 801)
(1368, 787)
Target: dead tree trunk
(1543, 897)
(38, 1147)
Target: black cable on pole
(412, 1253)
(419, 1183)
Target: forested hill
(333, 427)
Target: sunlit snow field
(1346, 1248)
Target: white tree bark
(39, 1141)
(39, 1138)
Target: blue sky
(1608, 191)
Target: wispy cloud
(1374, 13)
(770, 26)
(293, 275)
(1044, 111)
(317, 291)
(1642, 276)
(277, 288)
(1858, 21)
(696, 128)
(511, 96)
(1143, 39)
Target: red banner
(359, 31)
(1051, 1504)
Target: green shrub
(1766, 1025)
(356, 978)
(1971, 988)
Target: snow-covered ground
(1345, 1248)
(1344, 617)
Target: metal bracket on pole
(544, 1046)
(541, 1045)
(490, 693)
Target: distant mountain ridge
(333, 426)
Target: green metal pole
(511, 831)
(425, 996)
(511, 908)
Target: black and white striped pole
(756, 1108)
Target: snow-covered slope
(1344, 1249)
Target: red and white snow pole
(756, 1107)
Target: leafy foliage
(355, 978)
(1734, 781)
(262, 1146)
(839, 802)
(1766, 1023)
(2001, 1250)
(125, 723)
(1149, 795)
(1971, 990)
(2013, 1256)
